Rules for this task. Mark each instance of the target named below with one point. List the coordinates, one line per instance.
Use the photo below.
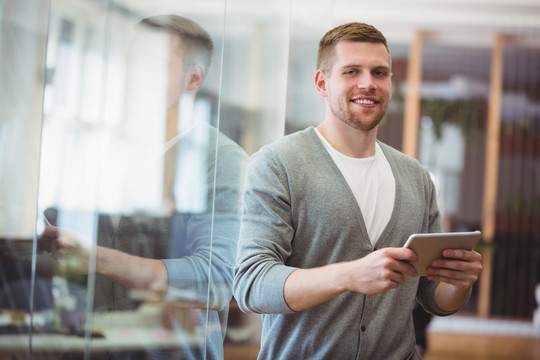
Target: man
(327, 211)
(186, 253)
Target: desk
(122, 331)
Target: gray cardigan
(299, 212)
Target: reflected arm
(131, 272)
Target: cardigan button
(363, 328)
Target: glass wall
(23, 48)
(125, 132)
(125, 129)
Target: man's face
(156, 68)
(359, 86)
(178, 76)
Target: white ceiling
(466, 22)
(469, 22)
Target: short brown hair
(196, 40)
(353, 31)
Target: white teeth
(364, 101)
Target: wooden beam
(412, 97)
(491, 172)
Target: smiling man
(326, 213)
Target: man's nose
(366, 82)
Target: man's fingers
(400, 260)
(401, 254)
(458, 279)
(50, 232)
(467, 255)
(460, 264)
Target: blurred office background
(466, 103)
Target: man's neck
(349, 141)
(187, 117)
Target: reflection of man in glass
(185, 252)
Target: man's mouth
(364, 101)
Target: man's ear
(320, 82)
(196, 77)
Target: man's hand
(381, 270)
(457, 273)
(460, 268)
(72, 248)
(176, 315)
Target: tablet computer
(429, 247)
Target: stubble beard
(356, 121)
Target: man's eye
(380, 73)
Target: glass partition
(23, 38)
(122, 163)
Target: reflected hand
(176, 315)
(458, 267)
(70, 248)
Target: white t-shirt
(372, 183)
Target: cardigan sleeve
(206, 267)
(266, 234)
